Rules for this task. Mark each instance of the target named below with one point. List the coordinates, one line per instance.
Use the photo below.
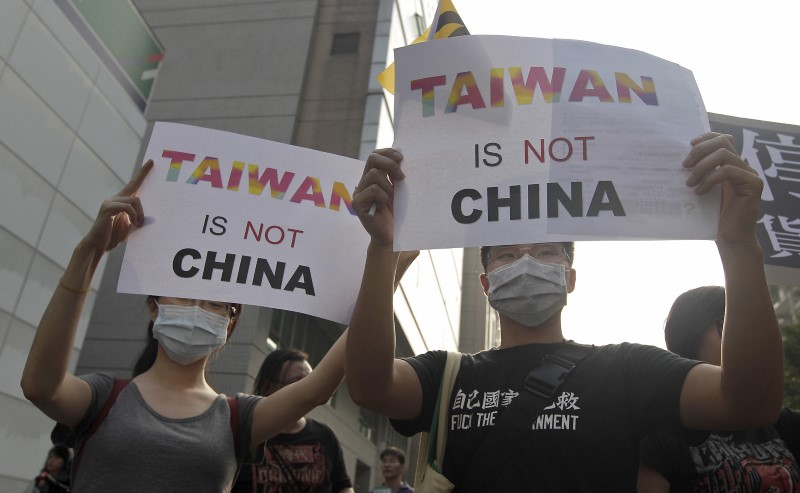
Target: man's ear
(484, 282)
(571, 280)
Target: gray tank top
(136, 449)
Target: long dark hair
(270, 371)
(148, 355)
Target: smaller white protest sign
(516, 140)
(240, 219)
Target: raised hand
(118, 215)
(713, 159)
(376, 190)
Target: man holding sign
(584, 434)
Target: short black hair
(401, 456)
(569, 247)
(689, 317)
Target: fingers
(386, 161)
(744, 181)
(713, 159)
(132, 206)
(709, 136)
(138, 178)
(706, 144)
(376, 186)
(380, 193)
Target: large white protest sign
(511, 140)
(240, 219)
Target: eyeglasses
(546, 252)
(216, 307)
(718, 322)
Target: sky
(744, 58)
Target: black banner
(773, 150)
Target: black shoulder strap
(540, 387)
(119, 384)
(544, 380)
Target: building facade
(69, 133)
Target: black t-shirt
(587, 439)
(754, 460)
(310, 460)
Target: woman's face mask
(189, 333)
(527, 290)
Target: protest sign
(235, 218)
(773, 150)
(512, 140)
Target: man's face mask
(189, 333)
(527, 290)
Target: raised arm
(284, 407)
(746, 391)
(45, 381)
(376, 379)
(275, 412)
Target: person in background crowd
(763, 459)
(306, 456)
(178, 433)
(393, 467)
(54, 477)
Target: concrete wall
(69, 136)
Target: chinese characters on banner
(773, 150)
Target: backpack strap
(119, 384)
(433, 443)
(545, 380)
(540, 386)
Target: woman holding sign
(168, 428)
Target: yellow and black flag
(448, 24)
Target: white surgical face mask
(527, 290)
(189, 333)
